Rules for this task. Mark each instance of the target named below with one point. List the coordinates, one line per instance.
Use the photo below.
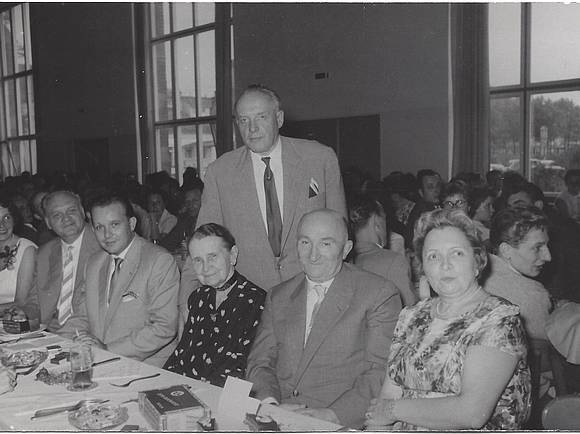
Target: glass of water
(81, 361)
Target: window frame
(28, 74)
(221, 121)
(526, 89)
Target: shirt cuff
(270, 400)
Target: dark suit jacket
(230, 199)
(141, 320)
(342, 365)
(49, 274)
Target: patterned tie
(273, 216)
(114, 277)
(65, 300)
(318, 291)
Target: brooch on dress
(8, 257)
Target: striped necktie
(65, 300)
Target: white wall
(389, 59)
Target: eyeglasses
(457, 204)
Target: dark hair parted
(452, 218)
(111, 198)
(477, 196)
(215, 230)
(511, 225)
(361, 209)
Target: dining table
(30, 394)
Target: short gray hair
(260, 88)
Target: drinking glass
(81, 361)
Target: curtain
(470, 87)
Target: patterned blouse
(427, 356)
(216, 342)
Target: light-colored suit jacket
(49, 274)
(388, 264)
(342, 365)
(141, 320)
(230, 199)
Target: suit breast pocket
(316, 202)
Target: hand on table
(379, 413)
(88, 339)
(7, 380)
(320, 413)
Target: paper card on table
(234, 403)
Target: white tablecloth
(17, 407)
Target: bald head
(323, 244)
(64, 214)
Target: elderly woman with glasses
(458, 360)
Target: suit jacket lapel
(293, 186)
(83, 255)
(297, 325)
(103, 281)
(335, 303)
(55, 273)
(127, 271)
(245, 184)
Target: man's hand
(89, 339)
(320, 413)
(379, 413)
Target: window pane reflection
(506, 134)
(185, 77)
(204, 13)
(555, 41)
(19, 59)
(555, 141)
(206, 72)
(207, 152)
(159, 19)
(33, 166)
(504, 43)
(22, 101)
(182, 16)
(15, 156)
(27, 49)
(31, 107)
(9, 104)
(7, 60)
(166, 148)
(162, 81)
(187, 139)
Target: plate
(24, 359)
(95, 417)
(20, 335)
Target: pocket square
(313, 188)
(128, 296)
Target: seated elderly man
(128, 303)
(224, 312)
(325, 334)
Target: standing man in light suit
(129, 302)
(261, 190)
(325, 334)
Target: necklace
(446, 314)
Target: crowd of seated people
(402, 303)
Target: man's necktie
(114, 277)
(65, 300)
(273, 216)
(319, 293)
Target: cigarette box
(175, 408)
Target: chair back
(562, 413)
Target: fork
(75, 407)
(128, 383)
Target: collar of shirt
(124, 252)
(325, 285)
(276, 166)
(76, 244)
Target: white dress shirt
(276, 166)
(311, 299)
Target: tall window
(187, 81)
(17, 126)
(534, 62)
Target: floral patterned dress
(427, 356)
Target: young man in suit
(129, 302)
(325, 334)
(261, 190)
(61, 261)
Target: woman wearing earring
(458, 360)
(519, 239)
(369, 226)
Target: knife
(56, 410)
(18, 339)
(102, 362)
